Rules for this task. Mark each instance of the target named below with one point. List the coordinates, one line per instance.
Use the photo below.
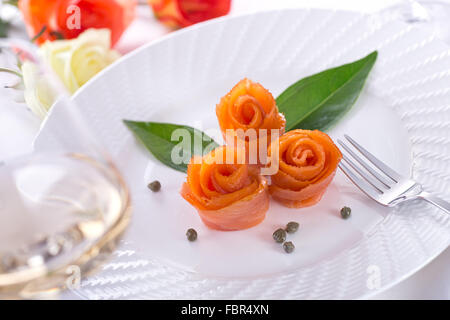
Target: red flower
(50, 20)
(183, 13)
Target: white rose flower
(75, 61)
(38, 93)
(78, 60)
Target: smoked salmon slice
(307, 164)
(244, 111)
(227, 193)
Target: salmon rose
(307, 164)
(227, 193)
(250, 106)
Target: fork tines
(355, 165)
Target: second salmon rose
(249, 113)
(307, 164)
(227, 196)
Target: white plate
(403, 116)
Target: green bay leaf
(158, 138)
(320, 100)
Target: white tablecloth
(18, 126)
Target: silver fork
(385, 186)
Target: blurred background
(132, 24)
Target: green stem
(40, 33)
(17, 73)
(12, 2)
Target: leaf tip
(128, 123)
(373, 54)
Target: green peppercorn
(288, 246)
(191, 234)
(346, 212)
(292, 227)
(155, 186)
(279, 235)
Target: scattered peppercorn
(191, 234)
(279, 235)
(155, 186)
(346, 212)
(292, 227)
(288, 247)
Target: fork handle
(438, 202)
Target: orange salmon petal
(249, 106)
(308, 163)
(227, 196)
